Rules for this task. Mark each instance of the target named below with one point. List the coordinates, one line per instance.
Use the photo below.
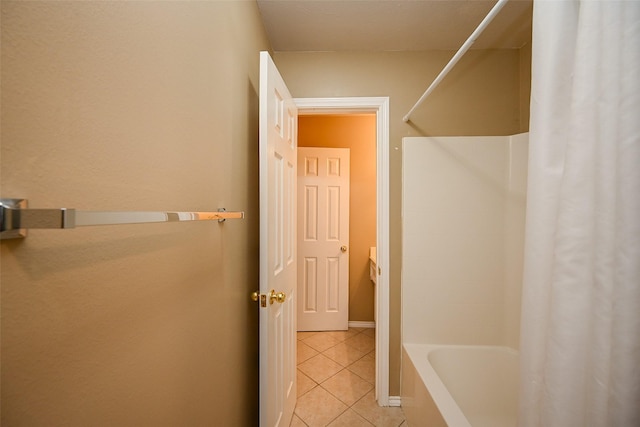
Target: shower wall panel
(462, 238)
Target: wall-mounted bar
(16, 218)
(453, 61)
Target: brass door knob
(276, 296)
(257, 296)
(343, 248)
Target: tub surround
(417, 402)
(463, 236)
(460, 386)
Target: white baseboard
(358, 324)
(394, 401)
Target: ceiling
(392, 25)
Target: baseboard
(358, 324)
(394, 401)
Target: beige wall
(131, 106)
(481, 96)
(357, 132)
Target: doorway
(353, 135)
(378, 106)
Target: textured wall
(131, 106)
(357, 132)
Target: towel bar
(16, 218)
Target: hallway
(336, 377)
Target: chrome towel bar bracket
(16, 218)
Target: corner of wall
(525, 86)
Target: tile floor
(336, 377)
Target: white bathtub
(459, 386)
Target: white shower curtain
(580, 337)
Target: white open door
(323, 239)
(277, 298)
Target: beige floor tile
(365, 368)
(321, 341)
(304, 352)
(368, 408)
(370, 332)
(321, 358)
(347, 386)
(344, 354)
(371, 355)
(302, 335)
(319, 368)
(297, 422)
(362, 342)
(304, 383)
(318, 407)
(350, 418)
(342, 335)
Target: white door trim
(380, 106)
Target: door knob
(343, 248)
(257, 296)
(276, 296)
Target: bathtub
(459, 386)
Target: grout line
(340, 414)
(317, 384)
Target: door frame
(379, 106)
